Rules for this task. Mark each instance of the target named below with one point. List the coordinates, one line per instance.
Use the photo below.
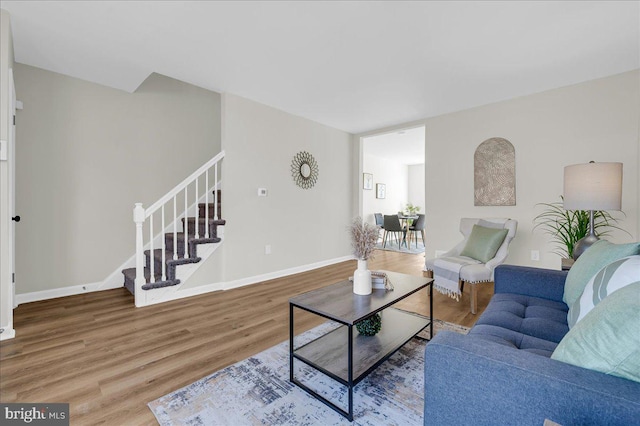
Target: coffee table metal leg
(350, 360)
(290, 342)
(431, 310)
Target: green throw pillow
(483, 243)
(607, 338)
(600, 254)
(612, 277)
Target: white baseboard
(7, 333)
(59, 292)
(284, 272)
(208, 288)
(181, 293)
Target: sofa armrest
(536, 282)
(471, 381)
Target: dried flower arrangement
(363, 238)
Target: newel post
(138, 218)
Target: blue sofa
(501, 372)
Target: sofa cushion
(600, 254)
(483, 243)
(612, 277)
(607, 338)
(523, 322)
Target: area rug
(393, 246)
(257, 391)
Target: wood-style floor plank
(108, 359)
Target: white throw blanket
(446, 274)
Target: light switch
(262, 192)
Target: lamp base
(583, 244)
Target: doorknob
(16, 218)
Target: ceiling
(401, 146)
(352, 65)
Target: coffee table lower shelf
(330, 353)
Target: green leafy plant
(568, 226)
(370, 326)
(411, 210)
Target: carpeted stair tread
(171, 262)
(202, 207)
(179, 246)
(202, 223)
(130, 279)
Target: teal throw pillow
(483, 243)
(600, 254)
(612, 277)
(607, 338)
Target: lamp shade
(593, 186)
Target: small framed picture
(381, 190)
(367, 181)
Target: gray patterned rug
(393, 246)
(257, 391)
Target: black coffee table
(343, 354)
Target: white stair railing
(170, 202)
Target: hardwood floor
(108, 359)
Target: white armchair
(478, 272)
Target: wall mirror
(304, 169)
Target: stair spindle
(186, 223)
(151, 256)
(175, 228)
(206, 204)
(197, 213)
(215, 193)
(164, 250)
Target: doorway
(395, 160)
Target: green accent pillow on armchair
(483, 243)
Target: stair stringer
(183, 273)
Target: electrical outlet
(535, 255)
(262, 192)
(267, 249)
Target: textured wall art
(495, 173)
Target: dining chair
(379, 222)
(392, 225)
(417, 226)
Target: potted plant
(363, 241)
(566, 227)
(411, 210)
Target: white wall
(6, 63)
(86, 153)
(303, 227)
(416, 185)
(597, 120)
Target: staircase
(174, 253)
(168, 257)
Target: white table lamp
(592, 186)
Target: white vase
(362, 279)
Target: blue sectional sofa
(501, 373)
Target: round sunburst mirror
(304, 169)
